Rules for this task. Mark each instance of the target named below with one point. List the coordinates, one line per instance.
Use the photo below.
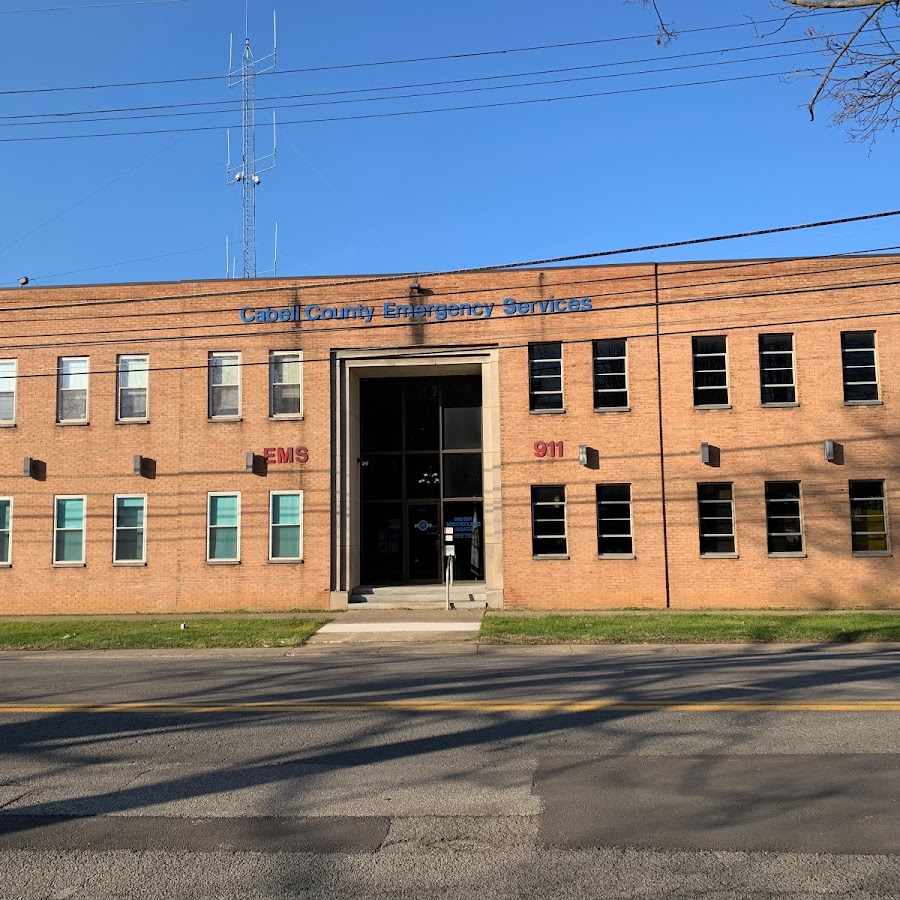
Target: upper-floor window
(286, 525)
(715, 506)
(131, 397)
(72, 389)
(224, 385)
(286, 383)
(223, 527)
(784, 525)
(710, 371)
(776, 369)
(614, 536)
(860, 366)
(610, 375)
(548, 520)
(129, 534)
(545, 384)
(5, 531)
(7, 391)
(68, 530)
(868, 522)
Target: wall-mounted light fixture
(704, 453)
(27, 466)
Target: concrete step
(422, 597)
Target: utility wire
(232, 105)
(409, 60)
(534, 263)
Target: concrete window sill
(864, 403)
(229, 419)
(70, 424)
(713, 406)
(551, 556)
(719, 556)
(130, 563)
(223, 562)
(612, 409)
(616, 556)
(286, 418)
(69, 565)
(787, 556)
(132, 421)
(547, 412)
(286, 562)
(794, 405)
(864, 553)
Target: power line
(406, 113)
(7, 12)
(534, 263)
(416, 59)
(20, 119)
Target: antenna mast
(247, 172)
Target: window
(286, 384)
(548, 521)
(776, 369)
(131, 399)
(285, 525)
(129, 538)
(783, 521)
(72, 390)
(614, 520)
(860, 368)
(7, 391)
(868, 524)
(224, 385)
(710, 371)
(545, 389)
(715, 504)
(610, 375)
(5, 531)
(68, 530)
(224, 528)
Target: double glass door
(421, 462)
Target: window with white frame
(868, 522)
(286, 525)
(784, 524)
(72, 389)
(548, 520)
(776, 369)
(69, 530)
(859, 365)
(131, 396)
(286, 384)
(715, 504)
(8, 372)
(710, 370)
(223, 527)
(610, 375)
(545, 384)
(129, 535)
(5, 531)
(614, 536)
(224, 385)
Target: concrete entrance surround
(347, 368)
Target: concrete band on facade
(352, 331)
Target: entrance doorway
(421, 471)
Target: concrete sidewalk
(401, 625)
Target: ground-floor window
(5, 530)
(868, 523)
(614, 533)
(715, 506)
(285, 525)
(223, 528)
(783, 521)
(68, 530)
(548, 520)
(129, 534)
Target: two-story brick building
(707, 434)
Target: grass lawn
(118, 634)
(691, 628)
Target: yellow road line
(452, 706)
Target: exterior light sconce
(710, 455)
(143, 466)
(589, 457)
(834, 452)
(416, 290)
(34, 468)
(254, 464)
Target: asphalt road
(353, 772)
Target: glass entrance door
(421, 470)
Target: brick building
(709, 434)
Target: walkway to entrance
(392, 626)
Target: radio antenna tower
(247, 172)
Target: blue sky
(423, 192)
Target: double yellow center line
(450, 706)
